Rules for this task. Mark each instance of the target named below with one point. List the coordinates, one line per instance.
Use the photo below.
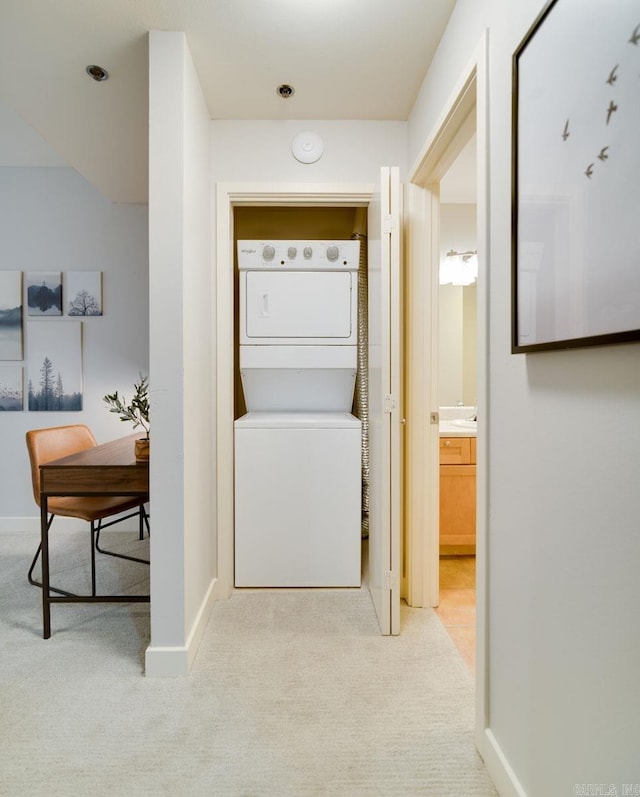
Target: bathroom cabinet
(457, 494)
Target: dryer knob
(268, 253)
(292, 252)
(307, 252)
(333, 253)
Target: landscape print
(54, 368)
(83, 290)
(10, 315)
(44, 293)
(11, 388)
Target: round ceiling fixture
(285, 91)
(307, 147)
(98, 73)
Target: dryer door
(302, 307)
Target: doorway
(382, 203)
(457, 392)
(466, 110)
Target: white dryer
(297, 450)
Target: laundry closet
(300, 396)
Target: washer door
(298, 306)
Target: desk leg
(44, 536)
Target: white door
(385, 401)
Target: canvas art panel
(83, 293)
(11, 390)
(54, 366)
(576, 175)
(44, 293)
(10, 315)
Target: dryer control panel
(299, 255)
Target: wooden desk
(105, 470)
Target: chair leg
(143, 515)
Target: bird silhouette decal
(589, 170)
(612, 76)
(611, 109)
(603, 154)
(565, 133)
(635, 36)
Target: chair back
(45, 445)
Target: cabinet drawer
(455, 450)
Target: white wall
(353, 151)
(563, 529)
(182, 476)
(198, 352)
(52, 219)
(457, 318)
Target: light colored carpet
(292, 694)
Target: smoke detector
(307, 147)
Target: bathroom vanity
(457, 485)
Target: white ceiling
(347, 59)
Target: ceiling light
(98, 73)
(285, 91)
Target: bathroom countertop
(452, 429)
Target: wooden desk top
(107, 469)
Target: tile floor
(457, 609)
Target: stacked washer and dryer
(297, 449)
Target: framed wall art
(44, 293)
(54, 366)
(83, 292)
(11, 396)
(576, 178)
(10, 315)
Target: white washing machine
(297, 450)
(297, 500)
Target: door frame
(229, 196)
(441, 147)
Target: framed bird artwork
(576, 177)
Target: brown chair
(45, 445)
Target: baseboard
(174, 662)
(32, 524)
(499, 769)
(200, 622)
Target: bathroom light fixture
(459, 268)
(98, 73)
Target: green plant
(137, 412)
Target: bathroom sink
(464, 423)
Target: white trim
(161, 662)
(482, 451)
(60, 524)
(200, 622)
(442, 145)
(174, 662)
(503, 777)
(229, 195)
(421, 439)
